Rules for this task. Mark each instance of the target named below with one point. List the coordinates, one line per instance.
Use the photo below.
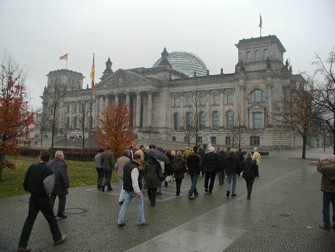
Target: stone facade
(233, 109)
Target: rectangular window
(199, 139)
(257, 120)
(227, 140)
(254, 141)
(216, 99)
(176, 102)
(230, 98)
(173, 138)
(202, 100)
(188, 100)
(213, 140)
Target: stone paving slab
(283, 215)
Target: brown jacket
(328, 176)
(108, 160)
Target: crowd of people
(148, 169)
(138, 169)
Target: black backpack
(178, 165)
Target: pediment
(258, 105)
(124, 78)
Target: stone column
(138, 109)
(149, 109)
(269, 103)
(106, 101)
(101, 106)
(222, 115)
(97, 112)
(208, 112)
(181, 110)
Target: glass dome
(186, 63)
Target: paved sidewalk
(283, 215)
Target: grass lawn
(80, 174)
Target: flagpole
(91, 101)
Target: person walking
(257, 157)
(327, 168)
(99, 168)
(193, 164)
(132, 190)
(61, 183)
(220, 173)
(179, 168)
(141, 153)
(249, 169)
(119, 165)
(39, 201)
(210, 166)
(168, 168)
(232, 168)
(108, 164)
(151, 171)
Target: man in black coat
(210, 166)
(193, 164)
(108, 164)
(222, 156)
(61, 183)
(232, 168)
(39, 201)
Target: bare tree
(53, 102)
(239, 129)
(297, 112)
(325, 98)
(83, 119)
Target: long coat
(175, 163)
(108, 160)
(61, 177)
(249, 168)
(152, 167)
(210, 163)
(232, 164)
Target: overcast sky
(133, 33)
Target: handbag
(161, 176)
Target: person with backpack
(193, 164)
(179, 168)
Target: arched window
(248, 57)
(202, 120)
(265, 53)
(176, 121)
(230, 119)
(229, 97)
(257, 55)
(257, 95)
(215, 119)
(189, 120)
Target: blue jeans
(193, 189)
(121, 198)
(128, 196)
(327, 198)
(231, 182)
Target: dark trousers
(221, 177)
(250, 182)
(100, 172)
(178, 185)
(107, 176)
(140, 179)
(36, 204)
(328, 198)
(152, 195)
(61, 202)
(209, 177)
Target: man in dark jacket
(131, 190)
(108, 164)
(61, 183)
(232, 168)
(327, 168)
(193, 164)
(210, 165)
(39, 201)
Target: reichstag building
(178, 97)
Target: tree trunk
(2, 159)
(304, 138)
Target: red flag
(92, 76)
(64, 57)
(260, 21)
